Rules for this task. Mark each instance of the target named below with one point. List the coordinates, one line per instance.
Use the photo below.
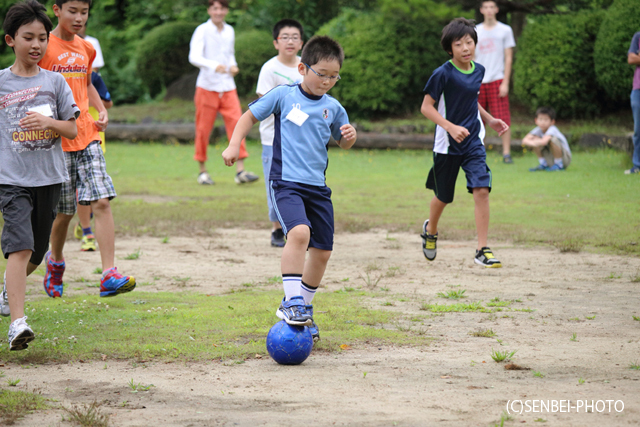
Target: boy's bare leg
(17, 282)
(481, 200)
(239, 166)
(84, 215)
(436, 207)
(506, 142)
(59, 235)
(538, 150)
(555, 150)
(295, 250)
(315, 266)
(105, 231)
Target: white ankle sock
(307, 292)
(291, 284)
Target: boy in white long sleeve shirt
(212, 50)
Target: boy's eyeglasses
(324, 76)
(287, 38)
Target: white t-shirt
(490, 49)
(274, 73)
(554, 132)
(98, 62)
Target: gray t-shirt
(33, 158)
(553, 131)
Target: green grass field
(591, 206)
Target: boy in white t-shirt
(548, 142)
(279, 70)
(495, 53)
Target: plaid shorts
(490, 100)
(88, 172)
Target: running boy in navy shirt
(305, 119)
(454, 87)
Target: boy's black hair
(223, 3)
(455, 30)
(482, 2)
(286, 23)
(24, 13)
(59, 3)
(322, 47)
(548, 111)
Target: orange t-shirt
(73, 60)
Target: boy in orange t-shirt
(72, 56)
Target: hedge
(614, 74)
(253, 49)
(387, 61)
(554, 64)
(163, 55)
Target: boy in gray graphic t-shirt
(36, 108)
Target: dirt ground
(452, 382)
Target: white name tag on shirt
(43, 109)
(297, 116)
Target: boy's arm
(508, 62)
(495, 124)
(633, 59)
(232, 152)
(96, 102)
(349, 136)
(37, 121)
(458, 133)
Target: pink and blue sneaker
(114, 283)
(53, 285)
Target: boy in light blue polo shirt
(305, 118)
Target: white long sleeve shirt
(209, 48)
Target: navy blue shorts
(442, 176)
(310, 205)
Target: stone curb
(185, 133)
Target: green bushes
(554, 64)
(163, 55)
(613, 72)
(253, 49)
(388, 60)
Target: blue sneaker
(555, 168)
(294, 312)
(539, 168)
(634, 170)
(53, 276)
(315, 333)
(114, 283)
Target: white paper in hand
(43, 109)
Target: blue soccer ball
(289, 345)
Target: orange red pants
(208, 105)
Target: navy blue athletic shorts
(297, 203)
(442, 176)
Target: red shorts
(490, 100)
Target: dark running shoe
(277, 238)
(485, 258)
(429, 243)
(294, 312)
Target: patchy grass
(87, 327)
(16, 404)
(487, 333)
(87, 415)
